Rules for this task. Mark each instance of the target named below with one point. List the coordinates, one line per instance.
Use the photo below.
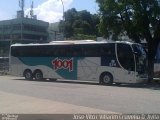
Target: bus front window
(141, 59)
(125, 57)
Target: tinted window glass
(125, 56)
(108, 50)
(82, 50)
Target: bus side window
(108, 50)
(91, 51)
(67, 51)
(105, 51)
(75, 51)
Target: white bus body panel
(88, 69)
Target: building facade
(24, 30)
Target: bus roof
(71, 43)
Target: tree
(79, 24)
(66, 26)
(137, 19)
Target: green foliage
(79, 24)
(84, 37)
(137, 19)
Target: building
(21, 30)
(54, 32)
(24, 30)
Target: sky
(47, 10)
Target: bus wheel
(38, 75)
(28, 74)
(106, 78)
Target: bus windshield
(141, 58)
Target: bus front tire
(106, 78)
(28, 75)
(38, 75)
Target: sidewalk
(19, 104)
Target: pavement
(19, 104)
(21, 101)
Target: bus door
(126, 61)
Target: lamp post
(63, 30)
(63, 9)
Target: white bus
(104, 62)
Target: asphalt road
(20, 95)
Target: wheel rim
(28, 75)
(38, 76)
(106, 79)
